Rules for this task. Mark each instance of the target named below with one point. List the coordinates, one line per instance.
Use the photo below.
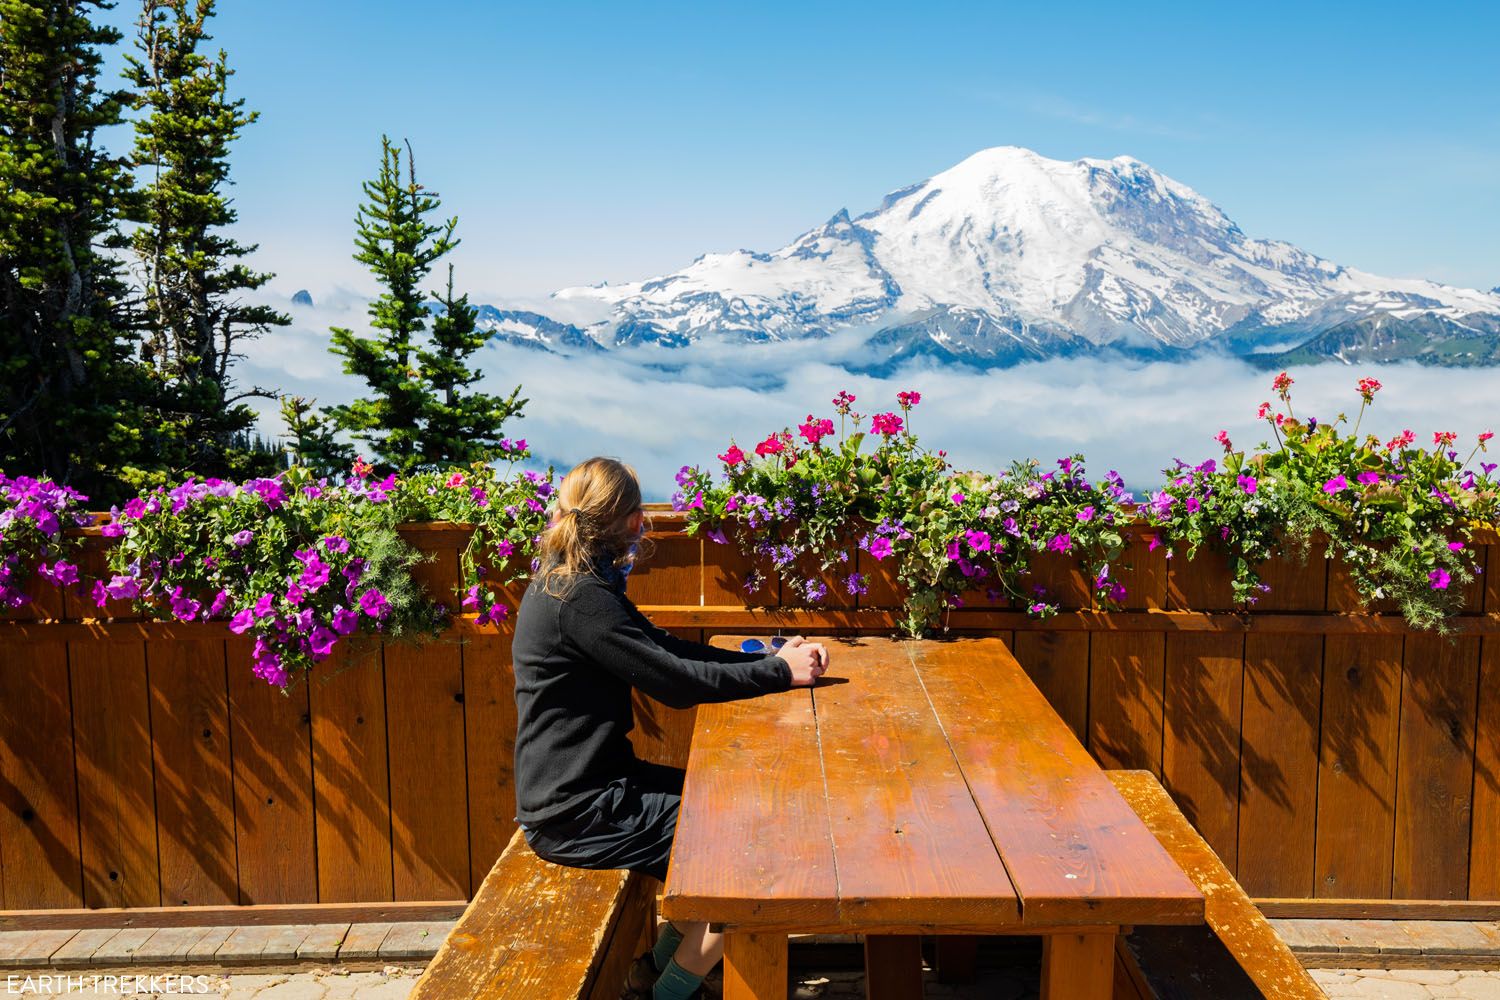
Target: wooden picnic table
(921, 788)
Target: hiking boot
(713, 984)
(639, 979)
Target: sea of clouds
(660, 409)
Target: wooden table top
(921, 785)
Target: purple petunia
(322, 641)
(373, 603)
(345, 621)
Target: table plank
(752, 843)
(910, 843)
(1074, 849)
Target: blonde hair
(596, 501)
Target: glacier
(1010, 256)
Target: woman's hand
(808, 660)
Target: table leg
(755, 967)
(893, 967)
(1078, 966)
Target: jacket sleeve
(608, 631)
(686, 647)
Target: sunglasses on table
(760, 645)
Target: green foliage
(416, 413)
(950, 536)
(314, 442)
(459, 427)
(70, 398)
(508, 512)
(192, 272)
(1398, 516)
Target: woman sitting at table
(583, 798)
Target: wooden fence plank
(1200, 583)
(1492, 579)
(1204, 681)
(38, 794)
(1058, 664)
(1125, 699)
(1435, 777)
(194, 786)
(1295, 586)
(662, 734)
(428, 772)
(726, 571)
(1143, 571)
(1279, 782)
(271, 738)
(490, 740)
(1484, 855)
(1060, 578)
(670, 573)
(1357, 765)
(116, 785)
(351, 781)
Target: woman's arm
(687, 647)
(612, 633)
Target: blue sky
(582, 142)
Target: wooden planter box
(1324, 754)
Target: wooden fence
(1326, 754)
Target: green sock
(676, 983)
(666, 946)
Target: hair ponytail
(596, 502)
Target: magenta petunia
(322, 641)
(242, 622)
(1336, 485)
(373, 603)
(1439, 579)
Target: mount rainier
(1010, 256)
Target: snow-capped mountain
(1009, 256)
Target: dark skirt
(628, 825)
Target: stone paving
(1011, 981)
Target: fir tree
(399, 245)
(415, 384)
(192, 272)
(69, 393)
(459, 427)
(313, 441)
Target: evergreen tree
(192, 272)
(69, 392)
(459, 428)
(397, 243)
(313, 438)
(416, 413)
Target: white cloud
(661, 409)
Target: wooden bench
(539, 931)
(1236, 954)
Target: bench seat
(1238, 954)
(539, 931)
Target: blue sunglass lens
(759, 645)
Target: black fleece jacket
(576, 658)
